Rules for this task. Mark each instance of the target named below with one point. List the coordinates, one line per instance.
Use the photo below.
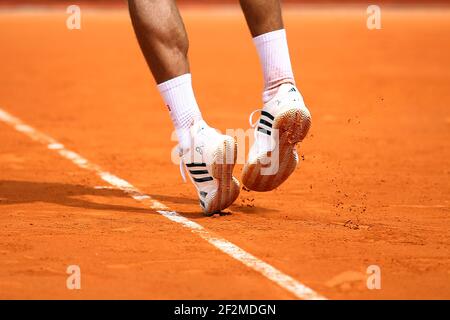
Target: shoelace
(183, 174)
(182, 171)
(251, 118)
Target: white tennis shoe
(210, 161)
(283, 123)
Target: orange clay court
(372, 187)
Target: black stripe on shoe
(193, 164)
(202, 179)
(198, 171)
(265, 122)
(264, 131)
(268, 115)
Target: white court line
(283, 280)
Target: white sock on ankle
(273, 54)
(179, 98)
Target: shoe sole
(292, 125)
(224, 161)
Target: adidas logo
(198, 172)
(265, 123)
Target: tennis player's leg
(209, 157)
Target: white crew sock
(179, 98)
(273, 54)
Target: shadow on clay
(22, 192)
